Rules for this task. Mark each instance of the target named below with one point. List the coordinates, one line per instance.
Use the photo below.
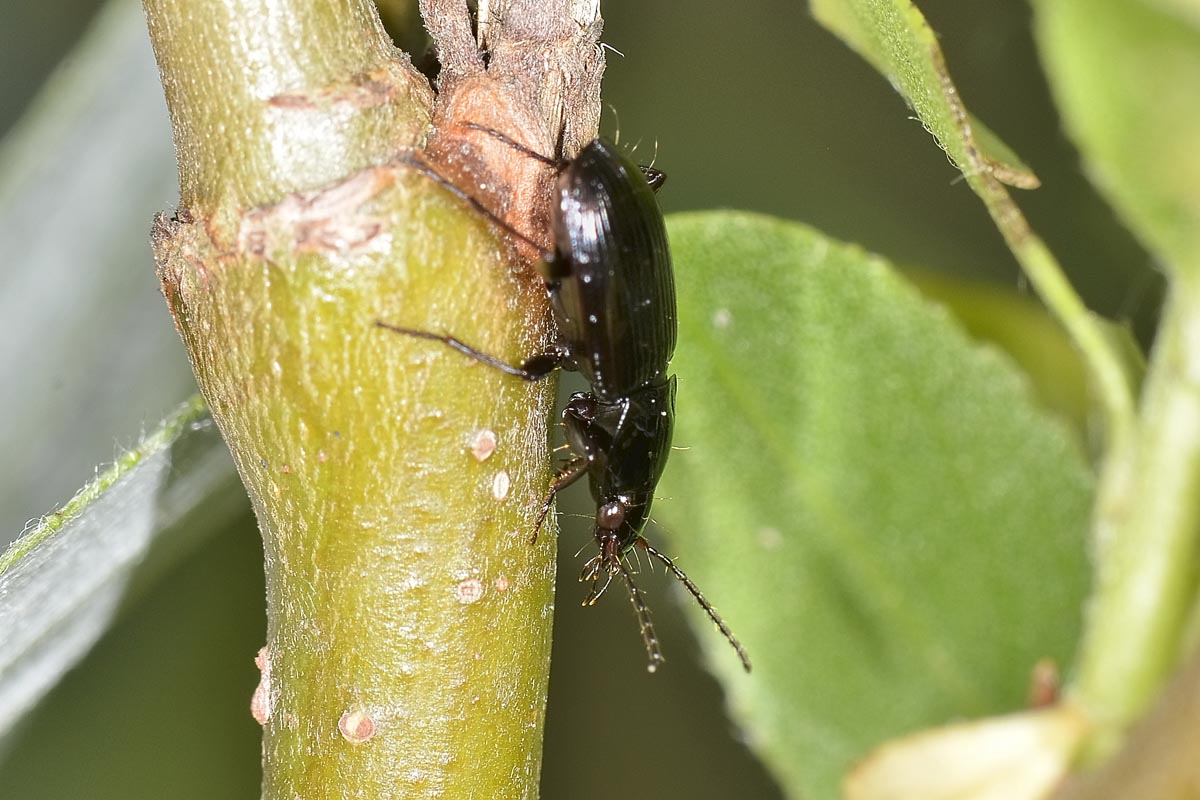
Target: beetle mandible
(612, 294)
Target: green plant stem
(1112, 380)
(1147, 515)
(408, 618)
(1147, 525)
(269, 97)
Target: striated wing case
(616, 308)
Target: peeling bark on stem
(408, 618)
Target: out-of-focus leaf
(1158, 759)
(61, 582)
(1019, 326)
(88, 355)
(875, 503)
(185, 644)
(1127, 78)
(1185, 10)
(894, 37)
(1015, 757)
(1124, 343)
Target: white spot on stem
(483, 445)
(500, 485)
(356, 725)
(469, 591)
(260, 703)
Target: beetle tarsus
(596, 593)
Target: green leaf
(895, 39)
(877, 506)
(89, 353)
(87, 350)
(62, 581)
(1020, 326)
(1127, 78)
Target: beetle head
(620, 519)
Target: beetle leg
(539, 366)
(419, 164)
(553, 270)
(591, 572)
(608, 561)
(533, 368)
(570, 472)
(557, 163)
(595, 594)
(591, 569)
(654, 177)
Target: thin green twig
(1147, 525)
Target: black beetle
(612, 292)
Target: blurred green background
(747, 105)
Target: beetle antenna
(515, 145)
(649, 637)
(695, 592)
